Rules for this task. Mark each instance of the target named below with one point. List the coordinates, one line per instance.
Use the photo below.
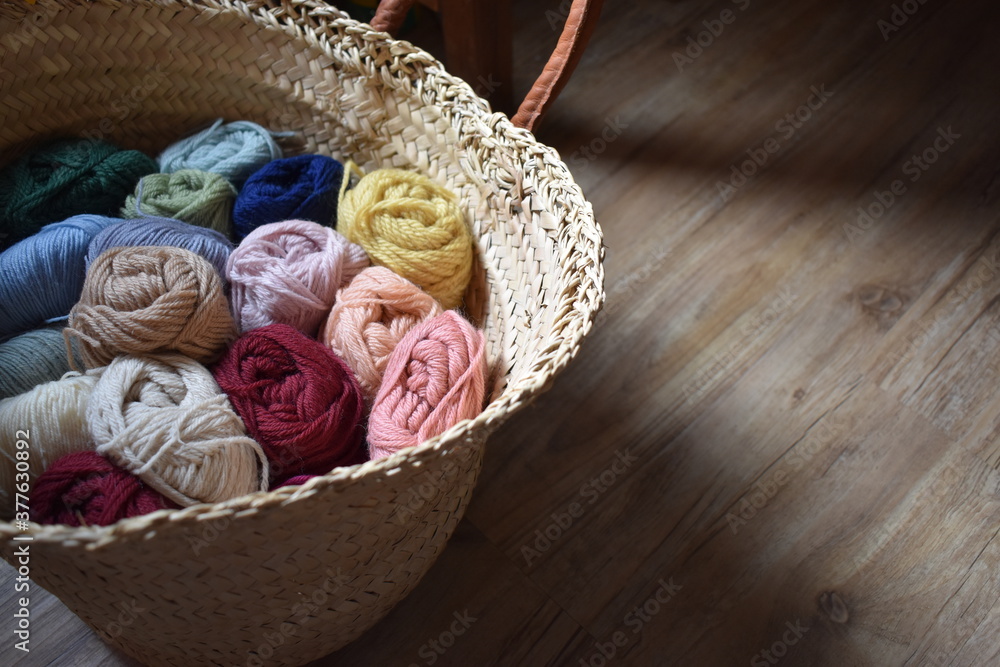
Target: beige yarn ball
(164, 419)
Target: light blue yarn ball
(233, 150)
(153, 231)
(32, 358)
(41, 277)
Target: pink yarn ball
(436, 377)
(289, 273)
(371, 316)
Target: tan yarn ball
(371, 316)
(164, 419)
(147, 300)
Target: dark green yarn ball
(66, 178)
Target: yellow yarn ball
(413, 226)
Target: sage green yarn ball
(189, 195)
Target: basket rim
(315, 22)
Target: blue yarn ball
(304, 187)
(41, 277)
(32, 358)
(233, 150)
(150, 231)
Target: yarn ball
(198, 197)
(164, 419)
(41, 277)
(293, 481)
(410, 224)
(289, 273)
(436, 377)
(371, 316)
(297, 399)
(54, 416)
(208, 243)
(304, 187)
(33, 358)
(232, 150)
(85, 489)
(66, 178)
(150, 299)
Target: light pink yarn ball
(371, 316)
(289, 273)
(436, 377)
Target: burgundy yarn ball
(298, 399)
(292, 481)
(85, 489)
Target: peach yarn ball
(371, 316)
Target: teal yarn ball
(232, 150)
(190, 195)
(65, 178)
(41, 277)
(33, 358)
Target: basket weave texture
(321, 563)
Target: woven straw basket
(313, 566)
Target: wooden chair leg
(478, 46)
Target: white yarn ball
(164, 419)
(54, 416)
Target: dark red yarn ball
(298, 399)
(85, 485)
(292, 481)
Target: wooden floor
(780, 443)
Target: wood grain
(780, 444)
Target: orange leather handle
(580, 25)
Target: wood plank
(494, 609)
(782, 435)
